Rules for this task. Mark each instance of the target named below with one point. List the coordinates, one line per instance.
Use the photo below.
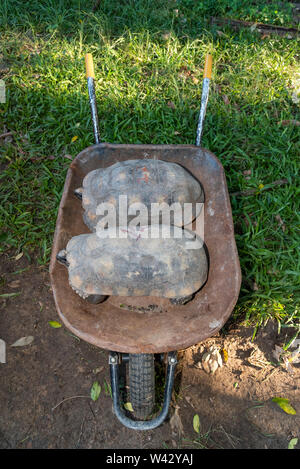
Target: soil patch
(234, 404)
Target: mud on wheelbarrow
(150, 325)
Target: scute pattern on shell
(142, 181)
(136, 266)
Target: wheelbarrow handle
(204, 97)
(89, 66)
(207, 66)
(90, 74)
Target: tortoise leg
(181, 301)
(96, 299)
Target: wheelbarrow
(133, 329)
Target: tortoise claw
(96, 299)
(182, 301)
(78, 193)
(61, 257)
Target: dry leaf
(289, 122)
(23, 341)
(206, 367)
(287, 358)
(277, 352)
(189, 400)
(19, 256)
(8, 139)
(247, 172)
(176, 424)
(74, 138)
(14, 284)
(98, 370)
(216, 88)
(226, 99)
(280, 222)
(295, 97)
(166, 36)
(5, 134)
(295, 355)
(287, 365)
(219, 359)
(211, 360)
(213, 364)
(171, 104)
(70, 157)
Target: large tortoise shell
(143, 182)
(137, 265)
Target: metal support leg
(148, 424)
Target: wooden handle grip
(207, 66)
(89, 66)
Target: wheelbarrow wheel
(141, 384)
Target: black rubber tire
(141, 384)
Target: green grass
(148, 54)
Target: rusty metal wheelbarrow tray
(148, 324)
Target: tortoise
(147, 181)
(173, 264)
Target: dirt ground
(234, 404)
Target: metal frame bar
(94, 111)
(204, 100)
